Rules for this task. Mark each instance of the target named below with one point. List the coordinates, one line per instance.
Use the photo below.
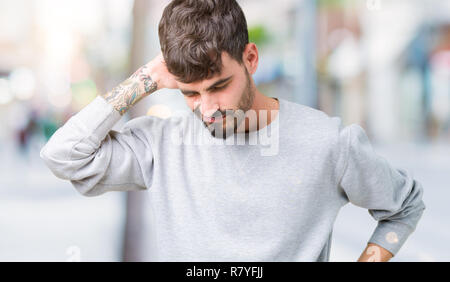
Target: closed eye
(190, 94)
(219, 88)
(213, 89)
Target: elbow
(87, 187)
(83, 166)
(57, 158)
(417, 203)
(412, 204)
(84, 183)
(54, 162)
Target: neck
(262, 105)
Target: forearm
(132, 90)
(375, 253)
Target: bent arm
(95, 158)
(391, 195)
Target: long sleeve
(95, 158)
(391, 195)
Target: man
(226, 196)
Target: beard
(232, 119)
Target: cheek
(232, 94)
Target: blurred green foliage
(334, 3)
(258, 34)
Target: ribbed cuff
(391, 235)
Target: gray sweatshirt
(271, 195)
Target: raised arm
(146, 80)
(97, 159)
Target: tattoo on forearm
(131, 91)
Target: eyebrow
(219, 82)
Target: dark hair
(194, 33)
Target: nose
(208, 105)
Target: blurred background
(383, 64)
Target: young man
(222, 199)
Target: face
(221, 101)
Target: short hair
(194, 33)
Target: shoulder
(319, 129)
(323, 133)
(311, 121)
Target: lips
(213, 119)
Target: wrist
(375, 253)
(152, 82)
(147, 79)
(127, 94)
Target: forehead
(229, 66)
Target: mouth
(213, 119)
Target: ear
(250, 57)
